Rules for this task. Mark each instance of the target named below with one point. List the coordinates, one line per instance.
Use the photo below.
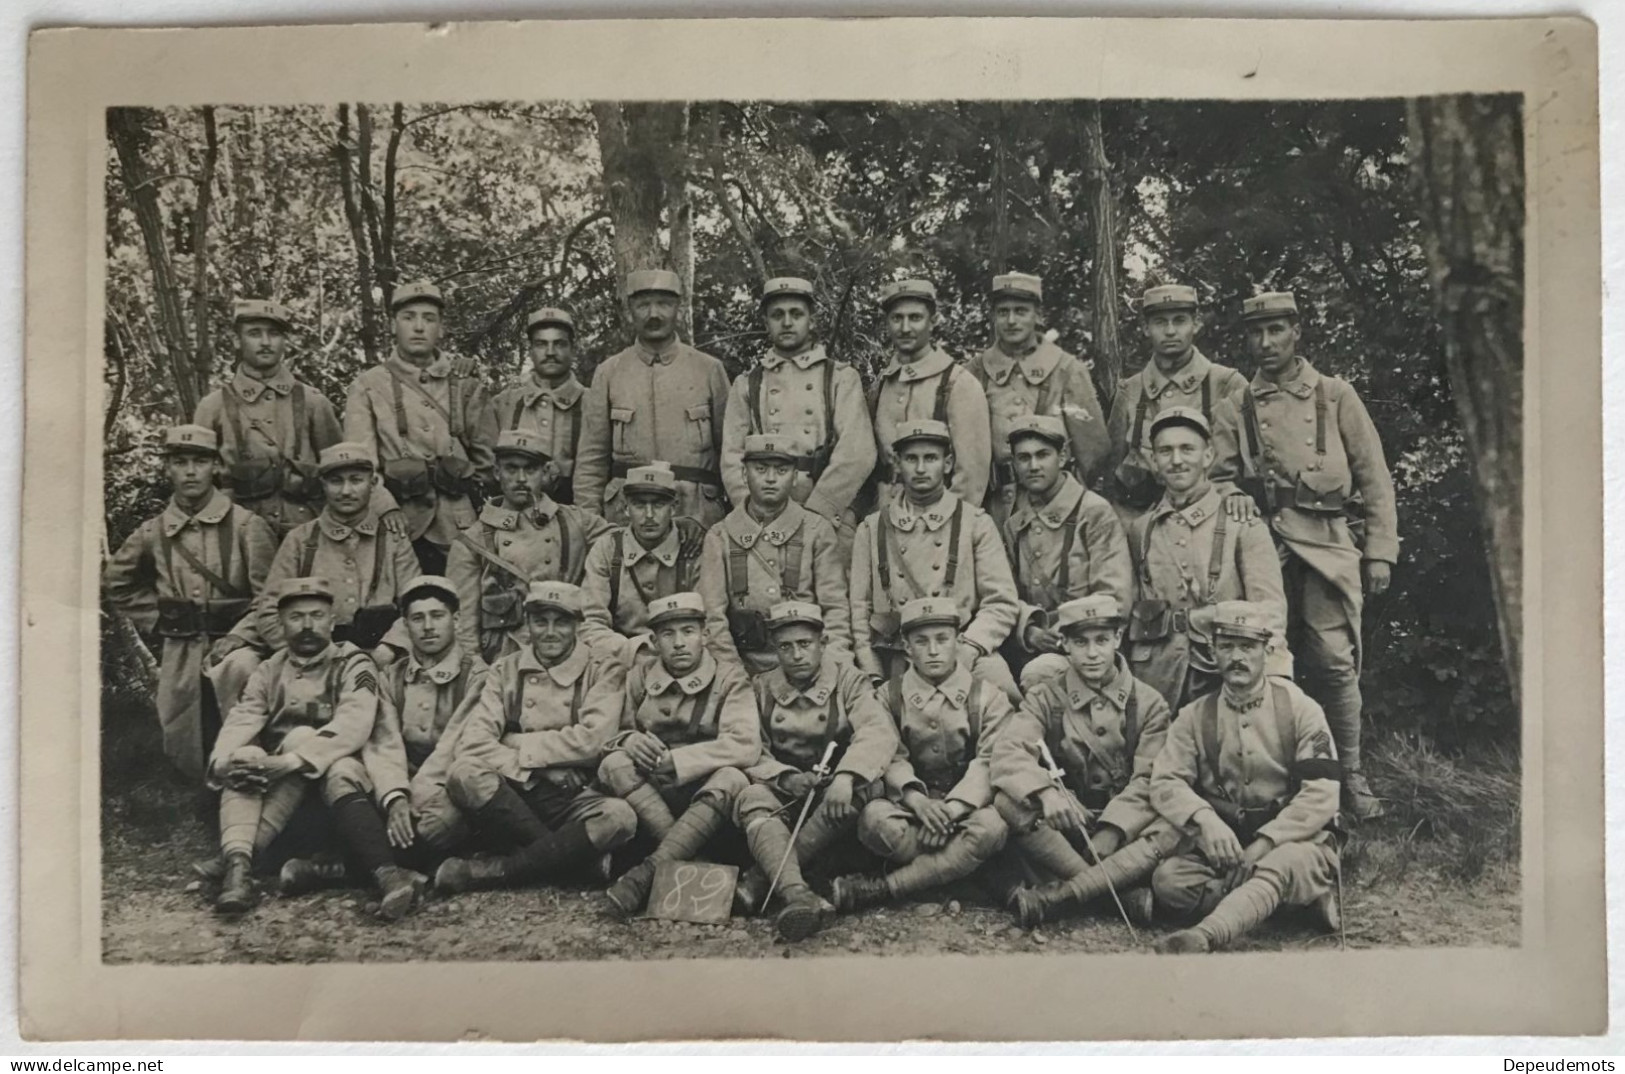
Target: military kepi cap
(345, 455)
(297, 588)
(1269, 304)
(921, 290)
(561, 596)
(929, 611)
(1189, 417)
(1169, 296)
(790, 612)
(1242, 619)
(792, 286)
(261, 309)
(927, 429)
(190, 439)
(417, 291)
(550, 315)
(520, 442)
(426, 584)
(655, 479)
(1043, 426)
(768, 447)
(1018, 285)
(1095, 610)
(643, 280)
(677, 606)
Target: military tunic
(553, 414)
(840, 706)
(548, 543)
(228, 540)
(428, 414)
(1051, 382)
(615, 600)
(817, 404)
(746, 567)
(933, 386)
(643, 406)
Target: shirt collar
(659, 680)
(1195, 513)
(663, 356)
(306, 662)
(438, 369)
(565, 672)
(339, 531)
(818, 693)
(1053, 514)
(442, 671)
(499, 517)
(250, 387)
(1246, 704)
(955, 688)
(746, 531)
(665, 552)
(1185, 378)
(563, 397)
(211, 513)
(1302, 385)
(929, 364)
(905, 516)
(1115, 690)
(805, 360)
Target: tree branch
(203, 353)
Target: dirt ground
(1403, 888)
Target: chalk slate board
(696, 891)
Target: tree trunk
(203, 355)
(128, 129)
(1467, 171)
(344, 155)
(1106, 265)
(644, 151)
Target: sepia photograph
(737, 528)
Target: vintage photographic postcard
(954, 529)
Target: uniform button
(350, 560)
(1182, 540)
(931, 723)
(1308, 440)
(773, 391)
(808, 386)
(530, 702)
(809, 410)
(1308, 417)
(779, 718)
(822, 716)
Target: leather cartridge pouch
(501, 609)
(749, 629)
(1318, 492)
(886, 630)
(300, 482)
(255, 478)
(1150, 620)
(453, 476)
(179, 618)
(369, 626)
(219, 616)
(1137, 486)
(407, 479)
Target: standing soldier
(1103, 728)
(768, 550)
(523, 538)
(689, 728)
(1025, 374)
(657, 399)
(190, 573)
(1064, 540)
(1178, 375)
(420, 418)
(928, 542)
(921, 381)
(529, 747)
(270, 427)
(936, 822)
(1249, 775)
(800, 394)
(650, 558)
(305, 716)
(548, 402)
(1301, 443)
(1189, 554)
(808, 702)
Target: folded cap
(1242, 619)
(425, 584)
(765, 447)
(261, 309)
(550, 315)
(1043, 426)
(898, 290)
(675, 607)
(343, 456)
(655, 479)
(1169, 296)
(417, 291)
(1095, 610)
(520, 442)
(184, 439)
(794, 286)
(313, 586)
(790, 612)
(558, 595)
(1269, 304)
(1181, 415)
(1018, 285)
(642, 280)
(925, 429)
(929, 611)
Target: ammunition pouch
(1004, 474)
(187, 619)
(301, 482)
(407, 479)
(501, 609)
(749, 630)
(1263, 492)
(1150, 620)
(368, 627)
(1136, 486)
(1318, 492)
(1243, 821)
(815, 462)
(886, 630)
(454, 476)
(255, 478)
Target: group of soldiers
(968, 621)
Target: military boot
(630, 893)
(855, 892)
(1130, 865)
(1359, 801)
(1141, 906)
(749, 892)
(469, 874)
(210, 871)
(1327, 911)
(1184, 942)
(401, 889)
(236, 886)
(803, 914)
(301, 875)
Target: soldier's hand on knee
(402, 832)
(838, 805)
(1216, 841)
(934, 816)
(246, 777)
(644, 750)
(394, 521)
(1378, 576)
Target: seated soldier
(810, 703)
(1250, 777)
(529, 746)
(937, 820)
(651, 557)
(1103, 728)
(689, 727)
(523, 538)
(768, 550)
(305, 715)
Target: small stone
(1040, 938)
(194, 887)
(738, 933)
(954, 907)
(928, 909)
